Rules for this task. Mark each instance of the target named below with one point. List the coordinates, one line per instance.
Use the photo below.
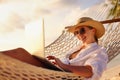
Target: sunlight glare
(34, 36)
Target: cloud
(76, 3)
(64, 13)
(16, 14)
(73, 8)
(72, 17)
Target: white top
(93, 55)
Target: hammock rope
(12, 69)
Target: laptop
(48, 64)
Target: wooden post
(103, 22)
(110, 21)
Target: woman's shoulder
(102, 48)
(102, 52)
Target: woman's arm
(85, 71)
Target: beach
(112, 74)
(113, 70)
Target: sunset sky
(18, 17)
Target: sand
(111, 74)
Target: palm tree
(115, 11)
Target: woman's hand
(58, 62)
(85, 71)
(52, 58)
(55, 60)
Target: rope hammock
(13, 69)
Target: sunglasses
(82, 31)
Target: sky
(21, 21)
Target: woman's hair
(96, 39)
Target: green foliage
(115, 11)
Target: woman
(89, 59)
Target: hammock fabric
(13, 69)
(18, 64)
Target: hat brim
(100, 30)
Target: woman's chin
(84, 40)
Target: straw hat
(86, 21)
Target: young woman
(89, 59)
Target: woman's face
(85, 34)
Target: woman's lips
(83, 38)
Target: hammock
(21, 68)
(13, 69)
